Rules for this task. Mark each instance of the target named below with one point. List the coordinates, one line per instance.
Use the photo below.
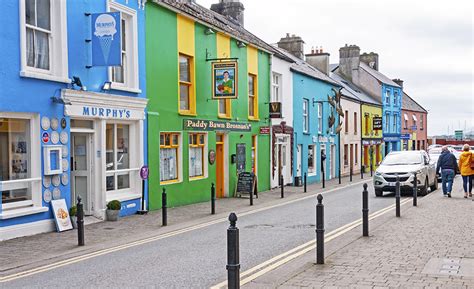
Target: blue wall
(391, 107)
(314, 91)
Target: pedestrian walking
(449, 167)
(466, 166)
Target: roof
(409, 103)
(378, 75)
(216, 21)
(303, 67)
(352, 91)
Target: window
(387, 121)
(169, 145)
(224, 108)
(305, 115)
(125, 77)
(367, 123)
(320, 117)
(276, 87)
(414, 121)
(311, 160)
(43, 39)
(387, 96)
(355, 122)
(254, 154)
(253, 97)
(405, 118)
(117, 139)
(395, 121)
(346, 121)
(395, 97)
(197, 142)
(421, 121)
(186, 93)
(356, 152)
(346, 155)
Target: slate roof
(378, 75)
(409, 103)
(352, 91)
(216, 21)
(301, 66)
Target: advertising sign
(405, 136)
(61, 215)
(377, 123)
(224, 79)
(264, 130)
(275, 109)
(106, 42)
(210, 125)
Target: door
(298, 160)
(220, 193)
(351, 160)
(81, 169)
(333, 161)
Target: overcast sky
(428, 44)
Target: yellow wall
(185, 27)
(223, 51)
(252, 68)
(372, 111)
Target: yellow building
(372, 137)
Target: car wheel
(424, 189)
(378, 193)
(434, 187)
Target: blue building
(68, 128)
(313, 137)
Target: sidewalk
(21, 254)
(431, 245)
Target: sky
(428, 44)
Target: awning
(414, 118)
(406, 116)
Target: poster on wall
(224, 79)
(240, 155)
(106, 42)
(61, 215)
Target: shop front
(106, 149)
(282, 154)
(372, 154)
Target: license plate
(392, 184)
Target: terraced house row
(94, 90)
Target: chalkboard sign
(246, 183)
(240, 158)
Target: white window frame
(387, 95)
(131, 82)
(320, 117)
(276, 97)
(16, 209)
(305, 115)
(58, 49)
(204, 157)
(395, 97)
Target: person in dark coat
(448, 165)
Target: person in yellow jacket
(467, 173)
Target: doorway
(333, 162)
(220, 172)
(81, 169)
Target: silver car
(405, 164)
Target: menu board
(245, 183)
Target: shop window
(346, 155)
(311, 160)
(253, 97)
(19, 163)
(254, 154)
(355, 122)
(169, 154)
(197, 143)
(117, 140)
(43, 39)
(320, 117)
(186, 90)
(305, 115)
(125, 76)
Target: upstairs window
(414, 121)
(355, 122)
(346, 121)
(276, 87)
(186, 93)
(367, 123)
(387, 121)
(253, 97)
(320, 117)
(387, 96)
(421, 121)
(395, 120)
(395, 97)
(405, 118)
(305, 116)
(38, 33)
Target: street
(197, 258)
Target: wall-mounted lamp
(77, 81)
(107, 86)
(60, 100)
(209, 31)
(240, 44)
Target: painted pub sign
(224, 79)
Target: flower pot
(74, 221)
(112, 215)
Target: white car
(405, 164)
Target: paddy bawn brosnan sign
(210, 125)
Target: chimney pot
(233, 9)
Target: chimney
(319, 59)
(349, 60)
(399, 82)
(293, 44)
(371, 59)
(230, 8)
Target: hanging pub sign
(377, 123)
(210, 125)
(106, 42)
(275, 109)
(224, 79)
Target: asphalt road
(197, 259)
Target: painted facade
(50, 112)
(391, 116)
(414, 125)
(178, 50)
(372, 139)
(350, 137)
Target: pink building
(414, 125)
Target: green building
(193, 139)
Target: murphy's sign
(90, 111)
(210, 125)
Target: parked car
(434, 154)
(405, 164)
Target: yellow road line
(277, 261)
(150, 239)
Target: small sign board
(144, 172)
(246, 182)
(264, 130)
(275, 109)
(240, 157)
(224, 79)
(212, 157)
(106, 39)
(377, 123)
(405, 136)
(61, 215)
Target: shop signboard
(265, 130)
(106, 42)
(224, 79)
(275, 109)
(211, 125)
(377, 123)
(405, 136)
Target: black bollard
(213, 199)
(282, 186)
(339, 173)
(305, 179)
(415, 191)
(320, 230)
(365, 212)
(164, 213)
(251, 196)
(324, 178)
(350, 174)
(233, 266)
(362, 172)
(371, 170)
(80, 222)
(397, 197)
